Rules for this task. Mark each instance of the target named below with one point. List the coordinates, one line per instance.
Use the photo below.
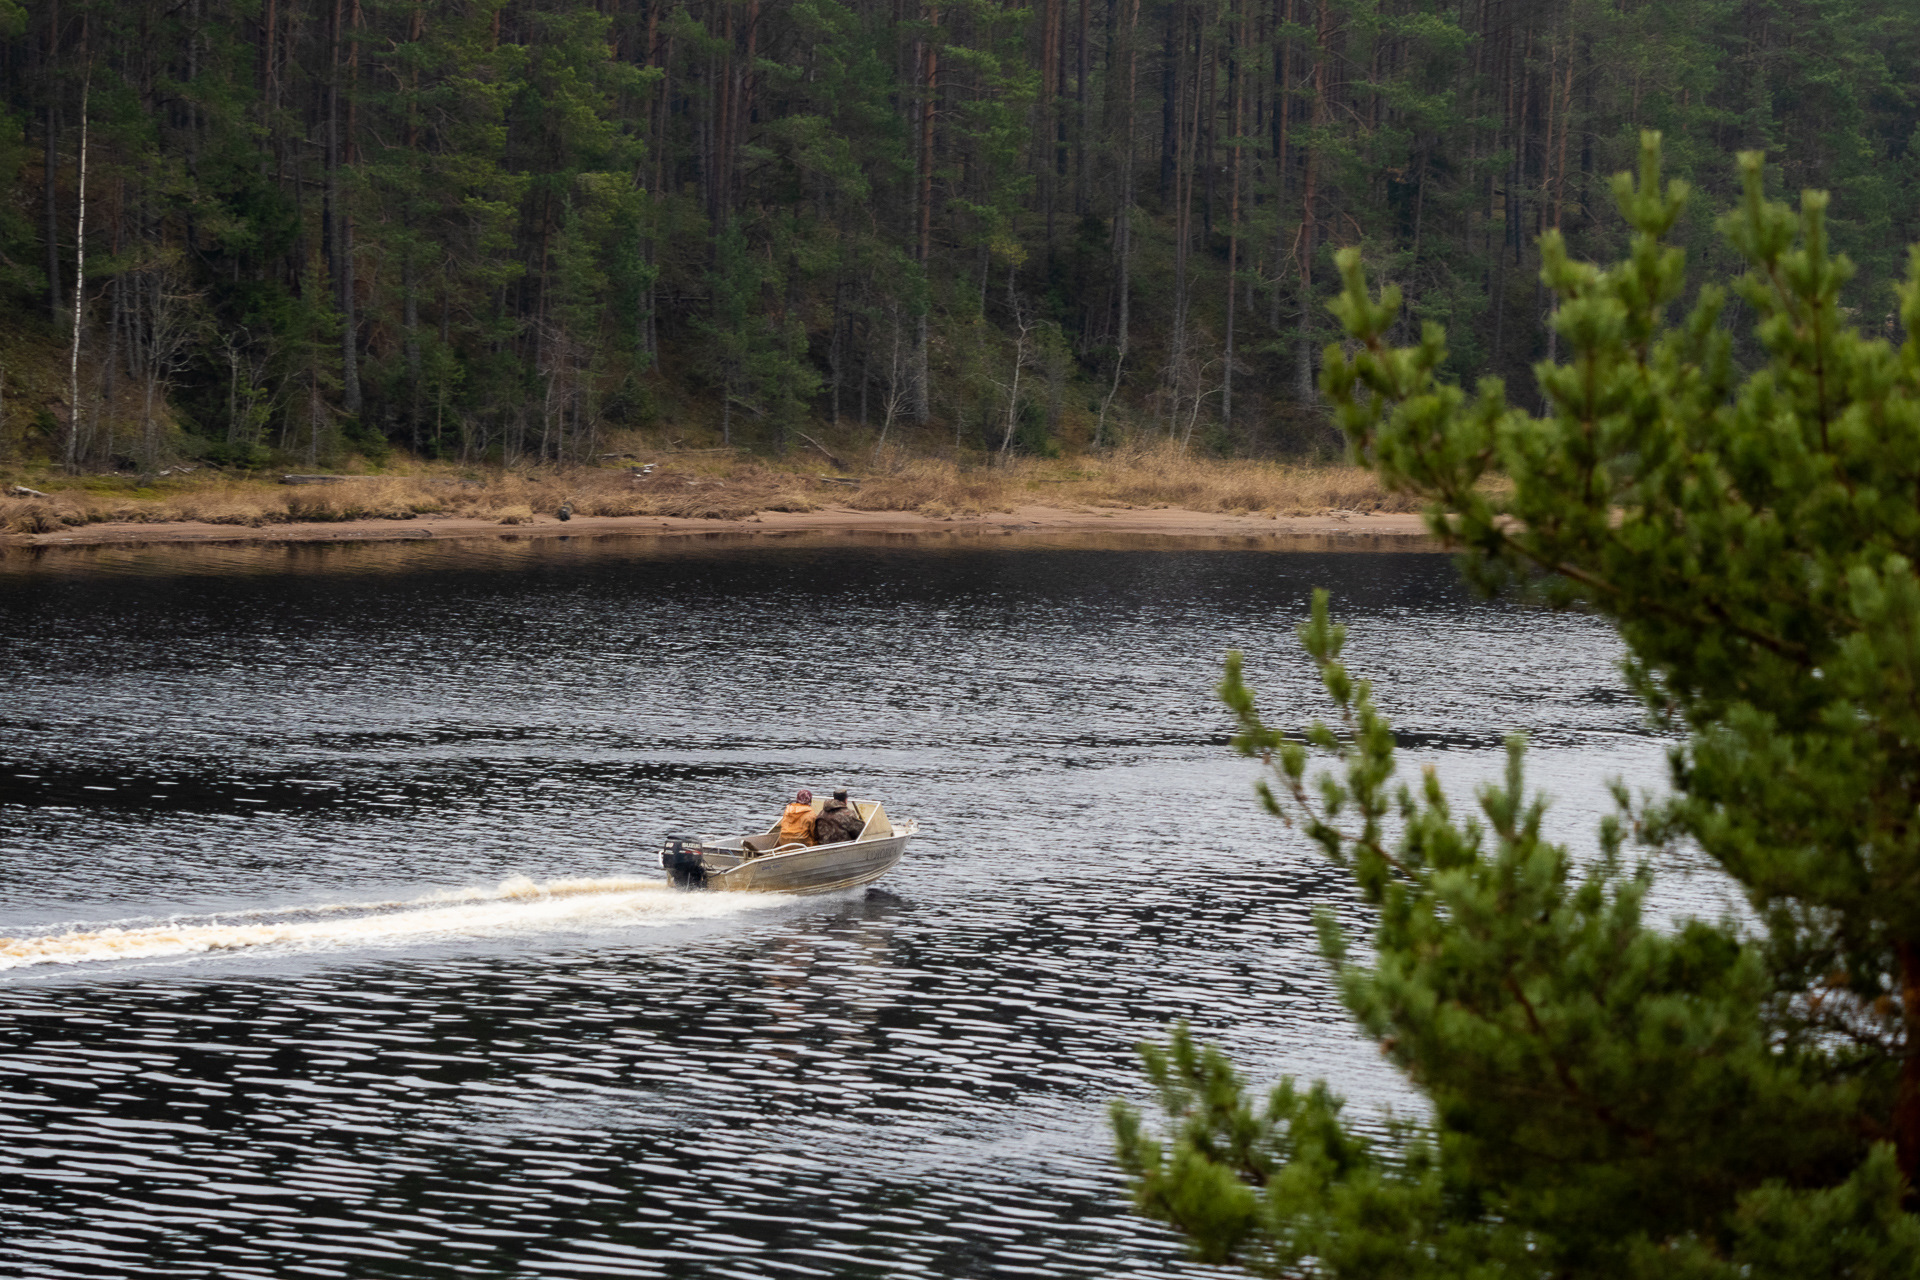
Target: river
(332, 947)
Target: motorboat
(761, 863)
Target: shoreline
(1331, 531)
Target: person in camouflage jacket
(838, 821)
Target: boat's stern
(690, 860)
(682, 862)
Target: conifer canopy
(1611, 1097)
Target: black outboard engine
(683, 865)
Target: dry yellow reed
(720, 486)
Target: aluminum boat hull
(761, 864)
(825, 868)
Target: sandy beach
(1359, 530)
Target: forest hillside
(510, 230)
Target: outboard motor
(683, 866)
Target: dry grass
(218, 500)
(939, 489)
(31, 515)
(1164, 478)
(714, 486)
(726, 492)
(1161, 477)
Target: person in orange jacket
(796, 820)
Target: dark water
(334, 949)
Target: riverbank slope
(1158, 491)
(1399, 528)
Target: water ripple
(330, 947)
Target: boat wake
(515, 907)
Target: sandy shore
(1340, 530)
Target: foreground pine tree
(1609, 1097)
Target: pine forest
(505, 230)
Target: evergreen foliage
(1610, 1098)
(490, 227)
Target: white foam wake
(516, 906)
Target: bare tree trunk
(233, 390)
(1170, 97)
(1560, 192)
(834, 347)
(550, 358)
(52, 170)
(149, 441)
(1508, 220)
(79, 292)
(1205, 148)
(1283, 113)
(893, 387)
(1193, 411)
(930, 83)
(109, 372)
(52, 202)
(1183, 181)
(341, 228)
(1124, 232)
(314, 414)
(1083, 143)
(1303, 354)
(1048, 110)
(1020, 327)
(411, 322)
(657, 111)
(1239, 90)
(150, 374)
(269, 83)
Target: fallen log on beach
(837, 464)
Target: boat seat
(873, 823)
